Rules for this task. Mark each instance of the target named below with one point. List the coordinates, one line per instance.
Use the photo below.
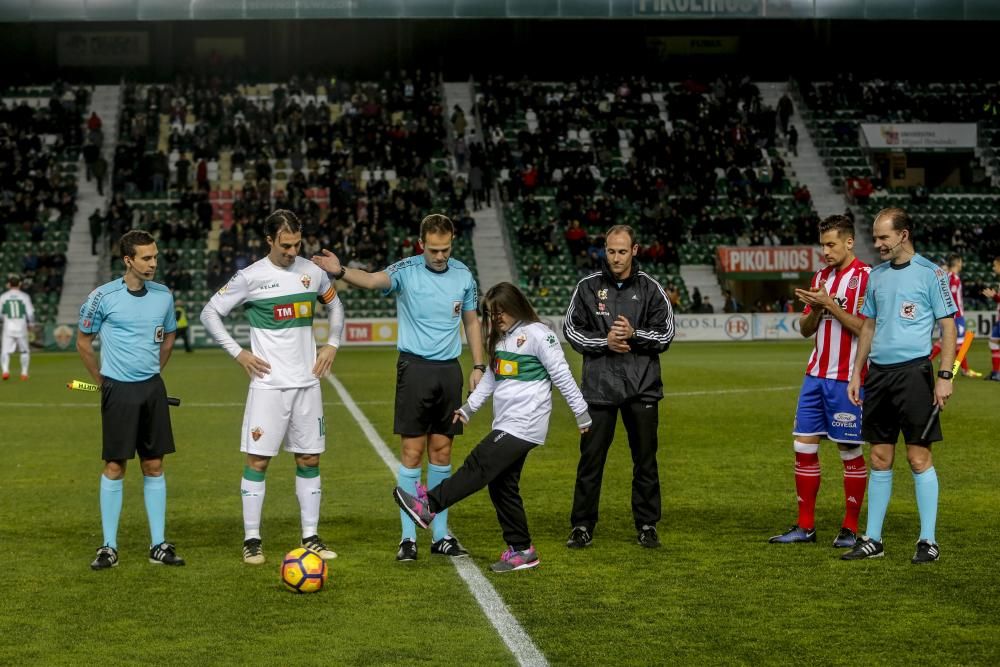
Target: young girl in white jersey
(526, 360)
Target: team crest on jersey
(908, 311)
(602, 294)
(853, 283)
(305, 280)
(521, 340)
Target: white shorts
(292, 416)
(12, 343)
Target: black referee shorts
(135, 417)
(900, 397)
(427, 395)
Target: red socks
(807, 478)
(855, 481)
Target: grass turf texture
(716, 593)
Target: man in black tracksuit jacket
(620, 320)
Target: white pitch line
(510, 631)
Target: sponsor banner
(784, 260)
(700, 8)
(776, 326)
(688, 327)
(695, 45)
(102, 49)
(920, 136)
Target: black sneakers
(407, 551)
(253, 551)
(164, 554)
(865, 548)
(314, 543)
(648, 538)
(579, 538)
(107, 558)
(846, 539)
(927, 552)
(449, 546)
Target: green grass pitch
(717, 593)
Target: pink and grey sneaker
(512, 560)
(416, 507)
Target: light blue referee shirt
(132, 326)
(905, 300)
(430, 306)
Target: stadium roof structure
(181, 10)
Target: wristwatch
(338, 276)
(479, 367)
(945, 375)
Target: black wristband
(479, 367)
(338, 276)
(945, 375)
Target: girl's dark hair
(282, 221)
(506, 298)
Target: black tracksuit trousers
(641, 420)
(495, 462)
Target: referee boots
(927, 552)
(865, 548)
(164, 554)
(648, 538)
(107, 558)
(449, 546)
(407, 551)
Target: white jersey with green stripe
(279, 305)
(528, 361)
(16, 313)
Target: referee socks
(154, 492)
(111, 509)
(435, 475)
(879, 492)
(925, 485)
(407, 479)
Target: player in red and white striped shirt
(954, 266)
(991, 293)
(833, 312)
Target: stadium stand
(41, 135)
(962, 218)
(691, 165)
(203, 162)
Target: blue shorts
(825, 410)
(960, 328)
(995, 334)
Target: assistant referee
(906, 295)
(135, 319)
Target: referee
(620, 320)
(436, 293)
(135, 318)
(906, 295)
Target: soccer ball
(303, 571)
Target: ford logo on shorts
(844, 417)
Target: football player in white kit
(285, 402)
(17, 314)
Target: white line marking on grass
(510, 631)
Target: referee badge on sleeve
(158, 334)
